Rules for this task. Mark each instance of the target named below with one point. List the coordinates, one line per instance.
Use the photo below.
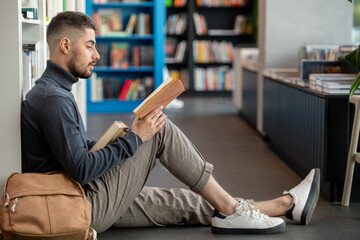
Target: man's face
(83, 55)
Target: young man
(54, 138)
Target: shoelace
(244, 206)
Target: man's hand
(149, 125)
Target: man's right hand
(150, 124)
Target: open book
(162, 95)
(117, 129)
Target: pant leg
(162, 207)
(113, 193)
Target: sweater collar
(60, 75)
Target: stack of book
(31, 70)
(338, 83)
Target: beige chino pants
(119, 198)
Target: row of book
(213, 79)
(175, 3)
(109, 22)
(206, 51)
(30, 8)
(241, 26)
(222, 3)
(128, 1)
(175, 51)
(336, 83)
(122, 54)
(113, 88)
(31, 66)
(326, 52)
(176, 24)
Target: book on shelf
(171, 45)
(96, 86)
(318, 66)
(205, 51)
(162, 95)
(131, 24)
(119, 55)
(108, 22)
(103, 50)
(110, 88)
(117, 129)
(182, 74)
(213, 79)
(125, 89)
(31, 65)
(322, 52)
(200, 23)
(29, 9)
(143, 24)
(217, 3)
(175, 3)
(176, 24)
(180, 51)
(241, 24)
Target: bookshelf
(222, 40)
(18, 31)
(114, 67)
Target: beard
(77, 70)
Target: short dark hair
(65, 21)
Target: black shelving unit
(212, 14)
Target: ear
(65, 45)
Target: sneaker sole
(248, 231)
(312, 200)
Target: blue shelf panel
(124, 69)
(128, 37)
(123, 4)
(156, 8)
(112, 105)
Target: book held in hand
(162, 95)
(117, 129)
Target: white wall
(10, 90)
(290, 24)
(287, 25)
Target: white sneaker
(305, 196)
(246, 219)
(175, 104)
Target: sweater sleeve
(58, 122)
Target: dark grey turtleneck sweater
(53, 134)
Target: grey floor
(244, 166)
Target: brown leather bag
(44, 206)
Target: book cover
(117, 129)
(163, 95)
(125, 89)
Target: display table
(308, 129)
(249, 98)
